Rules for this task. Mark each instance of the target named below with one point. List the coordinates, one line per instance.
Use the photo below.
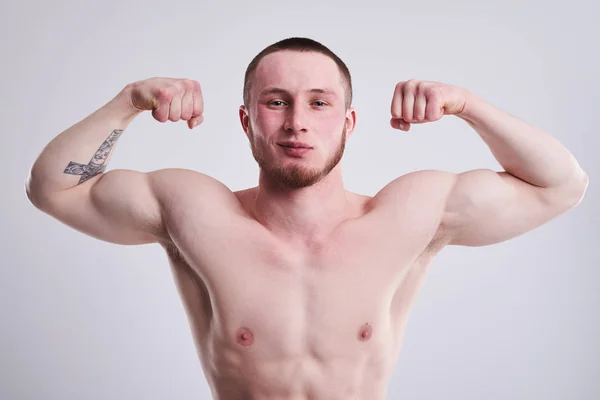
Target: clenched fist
(169, 99)
(417, 101)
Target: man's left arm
(541, 178)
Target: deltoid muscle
(97, 163)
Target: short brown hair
(298, 44)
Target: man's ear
(244, 119)
(350, 121)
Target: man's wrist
(473, 108)
(122, 106)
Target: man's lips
(295, 145)
(295, 151)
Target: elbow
(576, 190)
(568, 194)
(583, 188)
(37, 197)
(34, 198)
(30, 192)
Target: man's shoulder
(420, 186)
(173, 178)
(417, 200)
(177, 175)
(185, 185)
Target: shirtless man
(298, 288)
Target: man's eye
(277, 103)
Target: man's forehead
(291, 68)
(280, 90)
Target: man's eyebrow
(275, 90)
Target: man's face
(296, 113)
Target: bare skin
(323, 319)
(298, 288)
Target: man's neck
(302, 215)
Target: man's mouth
(295, 145)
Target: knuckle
(429, 91)
(164, 93)
(422, 87)
(173, 116)
(178, 87)
(409, 86)
(189, 85)
(183, 85)
(186, 112)
(160, 117)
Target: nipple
(365, 332)
(244, 337)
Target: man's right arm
(67, 181)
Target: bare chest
(251, 292)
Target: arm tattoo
(97, 163)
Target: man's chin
(294, 177)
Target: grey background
(84, 319)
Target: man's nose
(296, 119)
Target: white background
(84, 319)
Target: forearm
(523, 150)
(82, 151)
